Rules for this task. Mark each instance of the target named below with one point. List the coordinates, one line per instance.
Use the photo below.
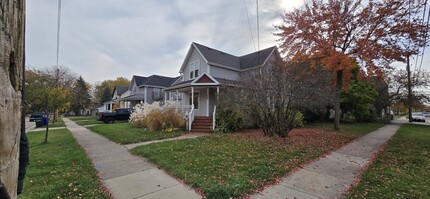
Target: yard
(85, 120)
(126, 133)
(234, 165)
(59, 169)
(402, 169)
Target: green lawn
(125, 133)
(402, 170)
(59, 169)
(233, 165)
(77, 118)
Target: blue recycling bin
(45, 120)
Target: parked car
(426, 114)
(119, 114)
(419, 117)
(36, 116)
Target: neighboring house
(118, 93)
(204, 70)
(146, 90)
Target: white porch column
(217, 92)
(165, 97)
(145, 94)
(177, 97)
(207, 102)
(192, 96)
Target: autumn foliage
(343, 34)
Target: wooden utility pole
(408, 68)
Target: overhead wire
(249, 24)
(423, 22)
(425, 35)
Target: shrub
(157, 116)
(228, 120)
(297, 120)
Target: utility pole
(408, 68)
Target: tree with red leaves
(341, 34)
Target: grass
(85, 120)
(78, 118)
(402, 170)
(234, 165)
(355, 129)
(126, 133)
(59, 169)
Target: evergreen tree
(80, 96)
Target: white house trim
(194, 82)
(184, 63)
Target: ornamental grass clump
(158, 117)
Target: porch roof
(204, 80)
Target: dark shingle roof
(154, 80)
(219, 57)
(139, 80)
(240, 63)
(256, 58)
(121, 89)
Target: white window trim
(193, 66)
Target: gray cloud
(110, 38)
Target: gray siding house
(205, 69)
(146, 90)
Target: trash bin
(44, 121)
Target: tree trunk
(339, 80)
(12, 21)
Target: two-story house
(145, 90)
(205, 69)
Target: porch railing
(190, 118)
(214, 118)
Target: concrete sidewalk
(331, 176)
(126, 175)
(186, 136)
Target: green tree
(358, 100)
(81, 97)
(101, 89)
(107, 95)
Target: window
(156, 93)
(196, 100)
(194, 69)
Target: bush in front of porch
(158, 116)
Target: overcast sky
(105, 39)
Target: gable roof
(157, 80)
(120, 89)
(219, 58)
(138, 79)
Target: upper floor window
(194, 69)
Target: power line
(258, 29)
(249, 24)
(425, 35)
(58, 40)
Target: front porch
(199, 97)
